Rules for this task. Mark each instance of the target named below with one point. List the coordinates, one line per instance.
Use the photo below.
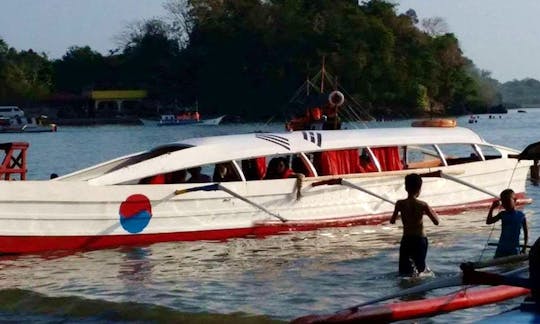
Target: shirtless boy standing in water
(414, 242)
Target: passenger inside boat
(179, 176)
(224, 172)
(156, 179)
(197, 176)
(366, 162)
(278, 168)
(389, 158)
(254, 169)
(299, 166)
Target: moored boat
(135, 199)
(26, 125)
(188, 118)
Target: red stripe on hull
(32, 244)
(419, 308)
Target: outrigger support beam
(443, 175)
(217, 186)
(343, 182)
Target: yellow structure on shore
(118, 97)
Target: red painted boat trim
(419, 308)
(31, 244)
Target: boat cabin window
(357, 160)
(390, 158)
(421, 156)
(337, 162)
(224, 172)
(490, 152)
(459, 153)
(219, 172)
(302, 164)
(278, 167)
(368, 162)
(179, 176)
(215, 172)
(148, 155)
(255, 168)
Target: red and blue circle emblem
(135, 213)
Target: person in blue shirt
(512, 222)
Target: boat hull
(29, 129)
(50, 215)
(183, 122)
(400, 311)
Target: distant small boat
(187, 119)
(522, 111)
(26, 125)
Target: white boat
(106, 205)
(212, 121)
(174, 120)
(26, 125)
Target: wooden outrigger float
(468, 297)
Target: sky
(500, 36)
(52, 26)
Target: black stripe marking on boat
(278, 138)
(281, 141)
(314, 137)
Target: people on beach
(512, 222)
(414, 242)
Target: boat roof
(215, 149)
(335, 139)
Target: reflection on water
(281, 277)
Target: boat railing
(381, 174)
(14, 161)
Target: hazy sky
(500, 36)
(52, 26)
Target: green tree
(24, 75)
(80, 68)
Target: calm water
(278, 278)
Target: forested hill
(523, 93)
(247, 57)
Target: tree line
(247, 57)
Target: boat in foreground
(508, 285)
(406, 310)
(338, 178)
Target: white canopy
(208, 150)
